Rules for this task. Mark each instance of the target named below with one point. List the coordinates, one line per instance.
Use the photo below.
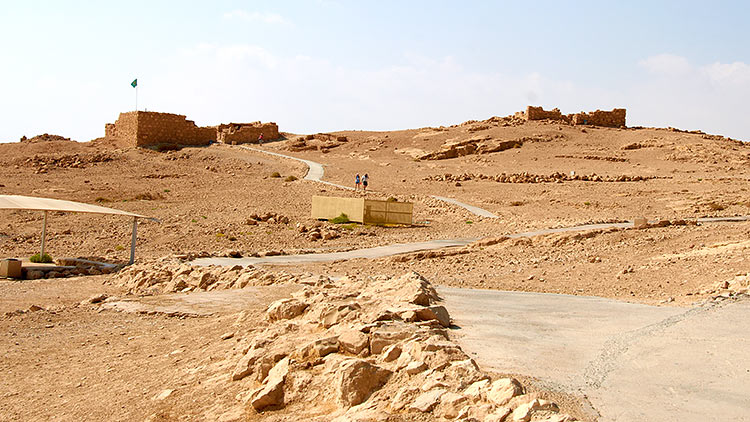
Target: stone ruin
(614, 118)
(148, 128)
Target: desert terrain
(360, 339)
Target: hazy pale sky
(325, 65)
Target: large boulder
(425, 402)
(354, 342)
(285, 309)
(357, 379)
(503, 390)
(437, 313)
(317, 349)
(271, 393)
(388, 334)
(413, 288)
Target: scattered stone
(98, 298)
(163, 395)
(415, 367)
(425, 402)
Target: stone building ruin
(149, 128)
(614, 118)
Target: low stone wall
(244, 133)
(539, 113)
(614, 118)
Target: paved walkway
(472, 209)
(401, 248)
(634, 362)
(367, 253)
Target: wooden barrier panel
(328, 207)
(386, 212)
(360, 210)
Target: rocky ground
(146, 344)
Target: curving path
(401, 248)
(315, 173)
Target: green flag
(134, 83)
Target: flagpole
(136, 97)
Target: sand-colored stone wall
(148, 128)
(166, 128)
(243, 133)
(614, 118)
(539, 113)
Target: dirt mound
(45, 137)
(43, 163)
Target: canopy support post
(44, 235)
(132, 241)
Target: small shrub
(232, 238)
(101, 199)
(148, 196)
(119, 248)
(44, 259)
(715, 206)
(290, 178)
(276, 174)
(220, 234)
(341, 219)
(469, 222)
(587, 203)
(203, 217)
(350, 226)
(167, 190)
(516, 203)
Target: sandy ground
(71, 362)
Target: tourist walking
(357, 181)
(365, 180)
(260, 139)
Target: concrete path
(315, 170)
(368, 253)
(472, 209)
(634, 362)
(401, 248)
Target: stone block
(10, 268)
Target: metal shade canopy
(30, 203)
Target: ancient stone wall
(614, 118)
(539, 113)
(166, 128)
(146, 128)
(126, 127)
(243, 133)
